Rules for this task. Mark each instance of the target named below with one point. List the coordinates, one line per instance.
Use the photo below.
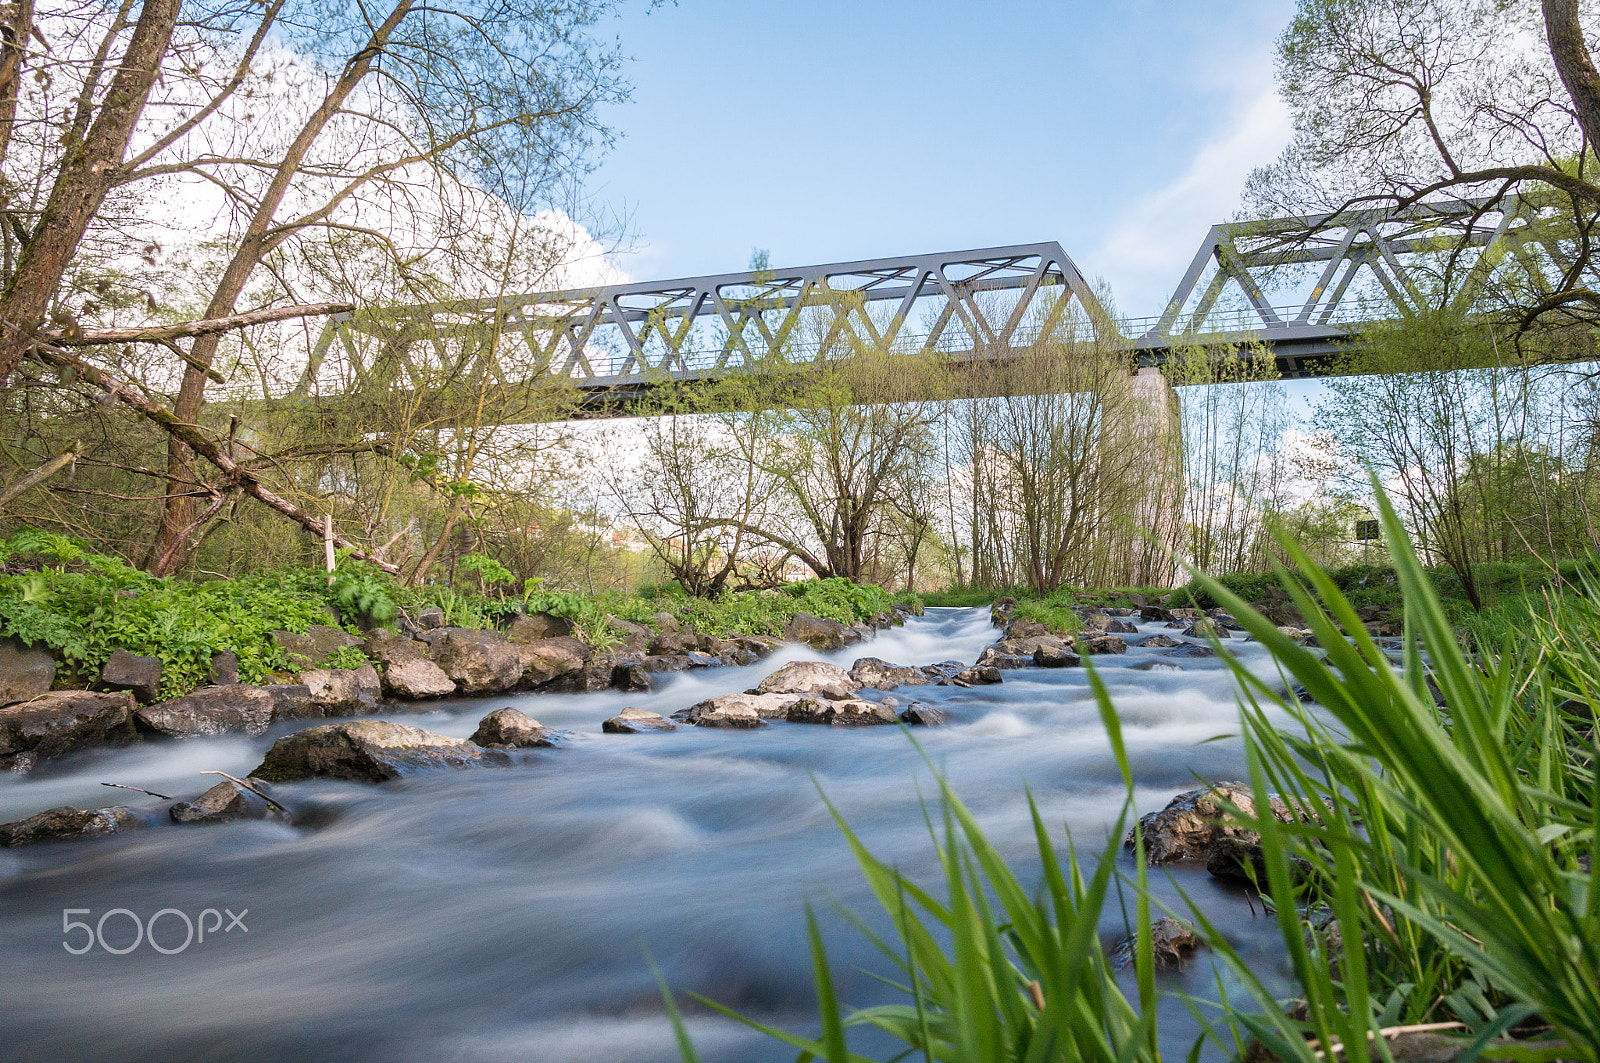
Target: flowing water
(507, 913)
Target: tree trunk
(260, 236)
(1571, 54)
(87, 173)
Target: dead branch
(206, 327)
(41, 474)
(140, 789)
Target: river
(505, 914)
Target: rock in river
(631, 721)
(1193, 822)
(512, 729)
(919, 715)
(417, 678)
(810, 677)
(365, 751)
(816, 632)
(68, 822)
(223, 802)
(849, 713)
(210, 711)
(737, 710)
(480, 662)
(64, 720)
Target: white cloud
(1148, 248)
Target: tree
(1401, 102)
(430, 119)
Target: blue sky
(833, 130)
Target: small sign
(1367, 529)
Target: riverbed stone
(1024, 627)
(510, 728)
(632, 721)
(919, 715)
(1047, 655)
(530, 627)
(59, 722)
(430, 618)
(544, 661)
(210, 711)
(1194, 821)
(977, 675)
(342, 691)
(1172, 943)
(224, 670)
(68, 822)
(1097, 644)
(1157, 642)
(364, 751)
(138, 675)
(738, 711)
(292, 701)
(1121, 627)
(1000, 656)
(25, 671)
(224, 802)
(942, 670)
(312, 648)
(416, 680)
(852, 712)
(810, 677)
(631, 676)
(667, 662)
(1190, 651)
(818, 633)
(1206, 627)
(480, 662)
(664, 621)
(881, 675)
(674, 642)
(635, 637)
(1242, 860)
(390, 648)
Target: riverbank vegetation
(82, 606)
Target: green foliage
(346, 657)
(365, 596)
(486, 569)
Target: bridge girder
(619, 341)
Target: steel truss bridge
(1298, 288)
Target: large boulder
(668, 662)
(364, 751)
(530, 627)
(62, 721)
(977, 675)
(1206, 627)
(343, 691)
(545, 661)
(631, 721)
(1195, 821)
(1006, 655)
(942, 670)
(849, 713)
(24, 672)
(1246, 861)
(635, 637)
(1121, 627)
(1092, 644)
(312, 648)
(417, 679)
(1024, 627)
(68, 822)
(509, 729)
(390, 648)
(1048, 655)
(816, 632)
(226, 801)
(139, 676)
(810, 677)
(881, 675)
(631, 676)
(480, 662)
(741, 711)
(293, 701)
(210, 711)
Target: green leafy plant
(346, 657)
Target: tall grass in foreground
(1438, 870)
